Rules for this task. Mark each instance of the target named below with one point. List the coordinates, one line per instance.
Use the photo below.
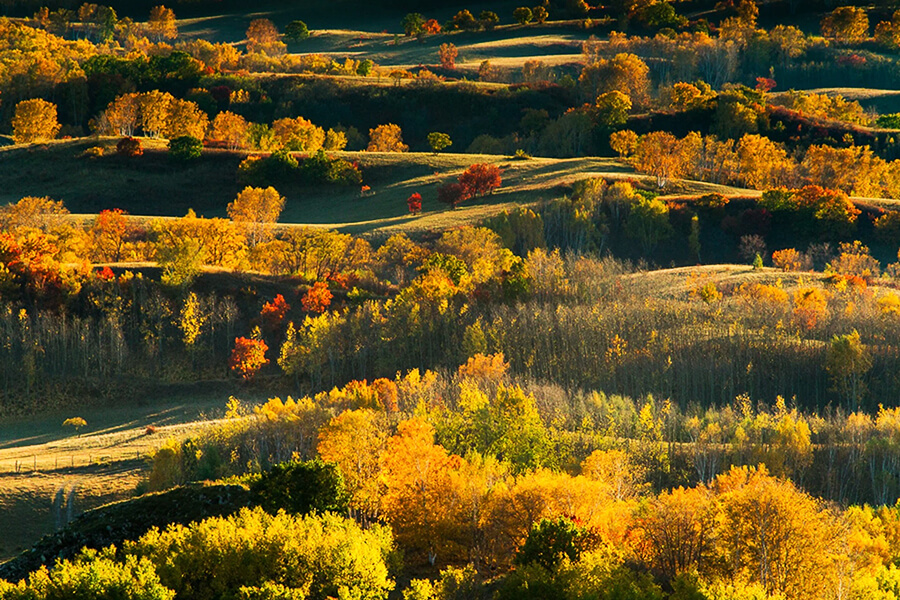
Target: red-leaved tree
(453, 194)
(481, 179)
(415, 203)
(272, 313)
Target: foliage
(35, 121)
(130, 147)
(318, 555)
(248, 357)
(386, 138)
(438, 141)
(300, 487)
(185, 148)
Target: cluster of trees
(472, 469)
(755, 161)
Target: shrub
(185, 148)
(268, 170)
(129, 146)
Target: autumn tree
(386, 138)
(540, 13)
(481, 179)
(317, 298)
(110, 234)
(623, 142)
(354, 440)
(248, 357)
(664, 156)
(231, 129)
(34, 121)
(298, 134)
(773, 534)
(625, 73)
(648, 223)
(847, 361)
(417, 475)
(123, 115)
(154, 111)
(161, 23)
(258, 210)
(262, 36)
(677, 531)
(612, 108)
(849, 24)
(448, 53)
(185, 119)
(452, 194)
(414, 203)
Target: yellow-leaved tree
(355, 440)
(257, 209)
(34, 121)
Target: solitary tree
(448, 54)
(162, 23)
(34, 121)
(386, 138)
(523, 15)
(438, 141)
(296, 31)
(413, 24)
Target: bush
(301, 488)
(129, 146)
(269, 170)
(320, 168)
(185, 148)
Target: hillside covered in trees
(438, 301)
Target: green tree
(413, 24)
(438, 141)
(523, 15)
(185, 148)
(296, 31)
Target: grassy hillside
(152, 185)
(41, 461)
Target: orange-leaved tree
(317, 298)
(248, 357)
